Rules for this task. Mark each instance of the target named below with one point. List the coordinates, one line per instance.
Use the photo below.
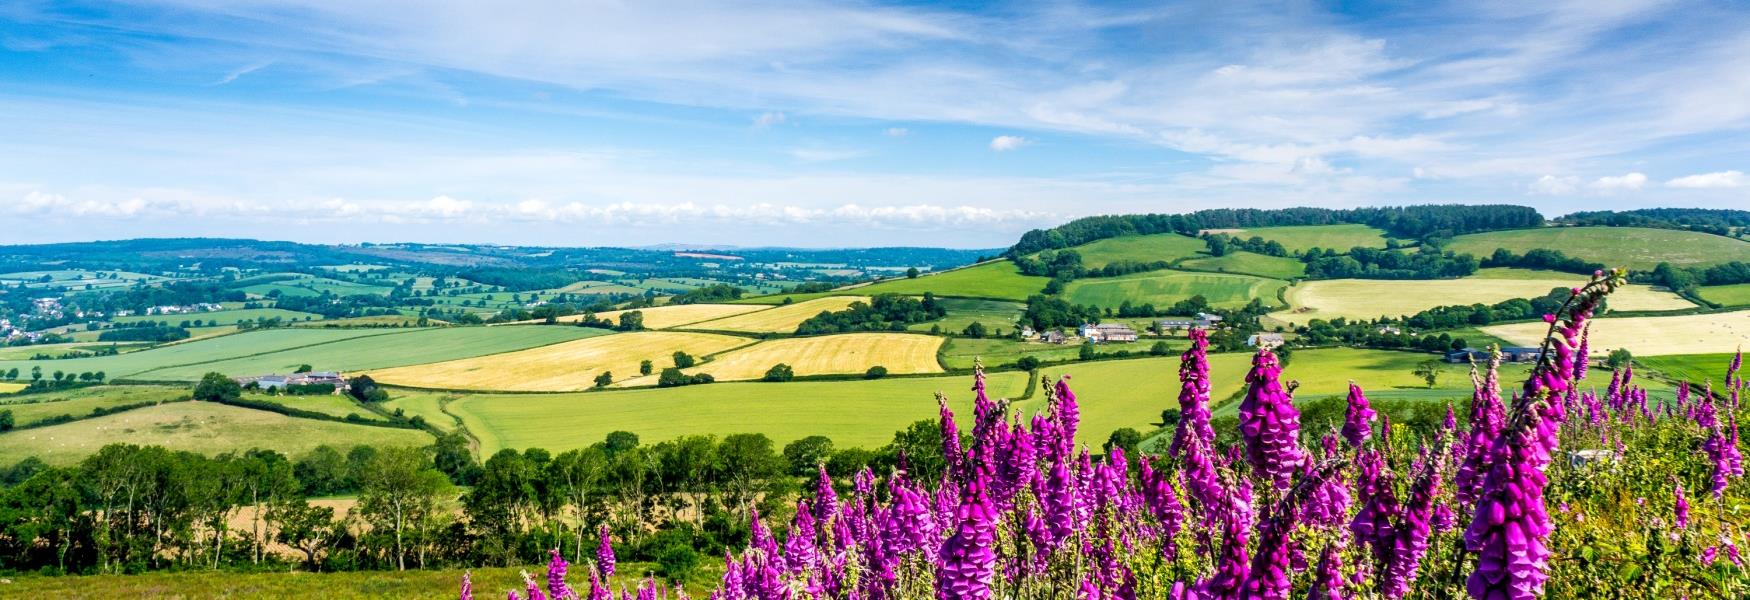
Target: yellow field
(1374, 298)
(824, 355)
(8, 387)
(562, 367)
(664, 317)
(1649, 336)
(782, 319)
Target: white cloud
(1004, 143)
(1720, 179)
(896, 132)
(769, 119)
(1551, 185)
(1631, 181)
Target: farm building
(1271, 340)
(1511, 355)
(1055, 336)
(267, 382)
(1203, 320)
(1108, 333)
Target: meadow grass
(224, 317)
(1373, 298)
(1649, 336)
(960, 352)
(1139, 248)
(200, 427)
(664, 317)
(996, 280)
(842, 354)
(1330, 237)
(1694, 368)
(395, 348)
(1163, 288)
(780, 319)
(420, 403)
(852, 413)
(79, 402)
(25, 352)
(417, 584)
(7, 387)
(217, 348)
(561, 367)
(994, 314)
(1636, 248)
(334, 405)
(1248, 263)
(1726, 295)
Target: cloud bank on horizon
(834, 124)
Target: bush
(1159, 349)
(673, 377)
(683, 360)
(677, 562)
(875, 372)
(1027, 363)
(779, 372)
(216, 387)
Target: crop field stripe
(1649, 336)
(567, 366)
(426, 345)
(847, 353)
(1373, 298)
(780, 319)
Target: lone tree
(780, 372)
(604, 379)
(644, 367)
(216, 387)
(632, 321)
(875, 372)
(911, 273)
(1619, 358)
(1429, 371)
(683, 360)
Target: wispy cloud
(1716, 180)
(1004, 143)
(1631, 181)
(769, 119)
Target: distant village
(1119, 333)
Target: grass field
(224, 317)
(1694, 368)
(7, 387)
(394, 348)
(958, 353)
(1632, 247)
(315, 286)
(415, 403)
(1374, 298)
(200, 427)
(415, 584)
(664, 317)
(1329, 237)
(1727, 295)
(852, 413)
(781, 319)
(1139, 248)
(1650, 336)
(848, 353)
(997, 280)
(561, 367)
(80, 402)
(334, 405)
(195, 352)
(1247, 263)
(994, 314)
(1163, 288)
(25, 352)
(374, 321)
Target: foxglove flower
(1486, 419)
(1328, 581)
(1680, 509)
(800, 554)
(556, 586)
(826, 501)
(604, 552)
(467, 586)
(967, 563)
(1269, 423)
(1358, 421)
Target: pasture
(25, 352)
(79, 402)
(781, 319)
(665, 317)
(1139, 248)
(1247, 263)
(959, 353)
(1373, 298)
(1726, 295)
(996, 280)
(1633, 247)
(852, 413)
(200, 427)
(305, 285)
(333, 405)
(1694, 368)
(1301, 238)
(413, 584)
(1649, 336)
(198, 351)
(994, 314)
(842, 354)
(224, 317)
(418, 403)
(567, 366)
(1163, 288)
(390, 348)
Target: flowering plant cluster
(1555, 490)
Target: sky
(960, 124)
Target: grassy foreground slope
(852, 413)
(1632, 247)
(1650, 336)
(80, 402)
(560, 367)
(414, 584)
(400, 348)
(200, 427)
(1163, 288)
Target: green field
(1330, 237)
(333, 405)
(306, 285)
(389, 348)
(852, 413)
(1247, 263)
(993, 314)
(224, 317)
(200, 427)
(423, 404)
(997, 280)
(1632, 247)
(413, 584)
(195, 352)
(25, 352)
(1163, 288)
(958, 353)
(79, 402)
(1726, 295)
(1139, 248)
(1694, 368)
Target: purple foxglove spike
(1269, 423)
(966, 566)
(1328, 583)
(604, 553)
(951, 450)
(826, 500)
(1680, 508)
(1486, 419)
(1358, 420)
(556, 567)
(467, 586)
(800, 554)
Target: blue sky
(842, 124)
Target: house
(1027, 332)
(1510, 355)
(1111, 332)
(1389, 330)
(1265, 340)
(1203, 320)
(1521, 354)
(281, 381)
(1055, 336)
